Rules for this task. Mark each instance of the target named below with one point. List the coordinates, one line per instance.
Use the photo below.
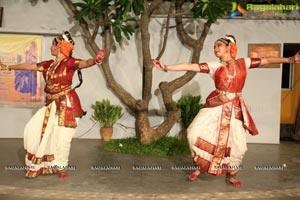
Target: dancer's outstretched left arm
(92, 61)
(294, 59)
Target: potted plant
(106, 114)
(189, 107)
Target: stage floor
(268, 172)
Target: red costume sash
(233, 86)
(239, 106)
(58, 78)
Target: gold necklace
(229, 76)
(51, 69)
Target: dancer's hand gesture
(158, 65)
(100, 56)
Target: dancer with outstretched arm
(217, 135)
(48, 134)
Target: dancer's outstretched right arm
(22, 66)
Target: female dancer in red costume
(217, 136)
(48, 135)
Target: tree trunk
(139, 107)
(167, 88)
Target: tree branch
(123, 95)
(203, 35)
(96, 30)
(167, 88)
(147, 65)
(165, 36)
(183, 36)
(153, 6)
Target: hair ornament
(67, 37)
(231, 39)
(66, 44)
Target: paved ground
(95, 174)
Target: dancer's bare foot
(231, 179)
(63, 174)
(193, 176)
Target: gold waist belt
(57, 95)
(230, 95)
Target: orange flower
(66, 48)
(233, 50)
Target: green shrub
(164, 147)
(105, 113)
(189, 107)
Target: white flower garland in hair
(65, 37)
(230, 38)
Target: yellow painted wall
(290, 99)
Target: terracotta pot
(106, 134)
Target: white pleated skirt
(205, 129)
(44, 152)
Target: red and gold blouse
(58, 78)
(229, 82)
